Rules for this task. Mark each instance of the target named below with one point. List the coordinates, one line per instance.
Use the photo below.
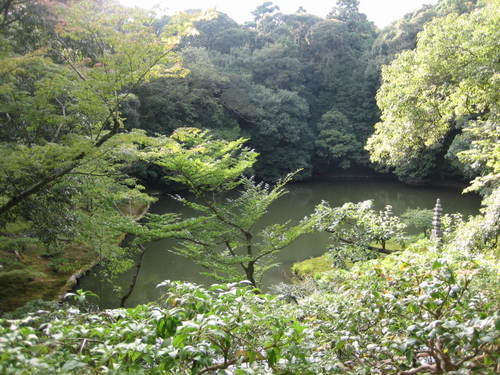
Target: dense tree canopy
(271, 81)
(448, 88)
(454, 89)
(78, 77)
(240, 76)
(222, 237)
(74, 86)
(62, 137)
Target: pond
(159, 264)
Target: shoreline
(75, 277)
(38, 279)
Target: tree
(191, 101)
(62, 137)
(265, 9)
(447, 86)
(402, 34)
(396, 38)
(219, 34)
(355, 228)
(222, 236)
(335, 77)
(419, 219)
(347, 11)
(335, 143)
(277, 67)
(271, 83)
(444, 85)
(344, 10)
(279, 129)
(483, 156)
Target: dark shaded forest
(301, 88)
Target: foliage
(448, 86)
(480, 232)
(192, 101)
(271, 81)
(336, 143)
(461, 142)
(228, 206)
(200, 162)
(447, 83)
(402, 34)
(295, 85)
(280, 132)
(419, 219)
(354, 227)
(483, 154)
(276, 77)
(313, 267)
(278, 81)
(191, 331)
(410, 313)
(62, 137)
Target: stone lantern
(437, 232)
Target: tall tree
(336, 143)
(62, 137)
(345, 10)
(265, 9)
(223, 236)
(448, 85)
(445, 85)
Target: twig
(81, 346)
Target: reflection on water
(159, 264)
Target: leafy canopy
(62, 137)
(223, 235)
(448, 83)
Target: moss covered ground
(40, 273)
(314, 267)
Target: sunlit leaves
(200, 162)
(189, 331)
(358, 232)
(222, 237)
(63, 146)
(427, 92)
(388, 316)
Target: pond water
(159, 264)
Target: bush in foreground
(413, 313)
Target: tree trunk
(134, 277)
(250, 270)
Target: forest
(105, 110)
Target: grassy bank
(315, 267)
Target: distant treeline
(302, 88)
